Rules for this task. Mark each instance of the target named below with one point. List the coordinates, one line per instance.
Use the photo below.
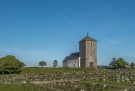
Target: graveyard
(69, 79)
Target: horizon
(48, 30)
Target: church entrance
(91, 64)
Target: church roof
(87, 38)
(75, 54)
(72, 57)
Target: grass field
(52, 70)
(32, 87)
(70, 73)
(22, 87)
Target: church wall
(87, 54)
(64, 64)
(91, 54)
(73, 63)
(82, 53)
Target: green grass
(28, 70)
(34, 70)
(22, 87)
(118, 86)
(32, 87)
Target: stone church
(86, 57)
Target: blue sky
(35, 30)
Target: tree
(132, 65)
(55, 63)
(9, 64)
(22, 64)
(118, 63)
(42, 63)
(113, 63)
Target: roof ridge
(88, 38)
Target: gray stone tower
(88, 52)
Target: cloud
(67, 19)
(24, 52)
(8, 50)
(112, 42)
(14, 51)
(118, 41)
(131, 54)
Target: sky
(35, 30)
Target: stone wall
(82, 53)
(88, 53)
(91, 54)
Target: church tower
(88, 52)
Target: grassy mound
(54, 70)
(22, 87)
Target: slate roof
(87, 38)
(75, 54)
(72, 57)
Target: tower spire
(87, 34)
